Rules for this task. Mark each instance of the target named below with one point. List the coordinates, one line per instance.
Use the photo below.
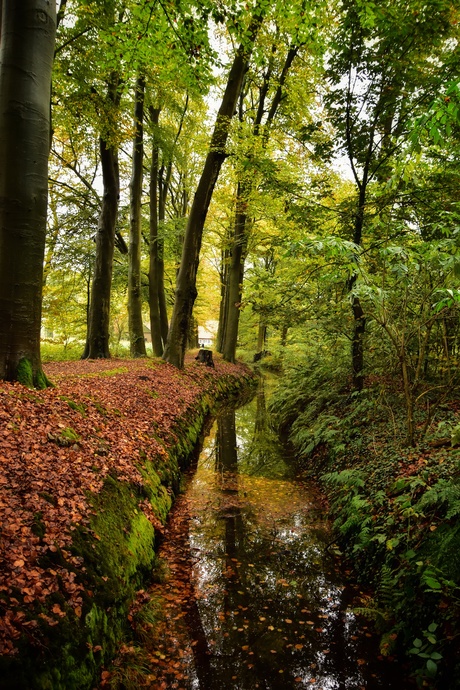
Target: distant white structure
(147, 333)
(207, 333)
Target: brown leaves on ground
(60, 443)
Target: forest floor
(57, 446)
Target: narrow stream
(255, 599)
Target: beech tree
(97, 341)
(26, 58)
(262, 120)
(136, 328)
(186, 280)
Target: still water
(255, 599)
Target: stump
(205, 357)
(260, 355)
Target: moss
(155, 490)
(68, 435)
(99, 407)
(38, 527)
(41, 381)
(78, 407)
(118, 546)
(113, 372)
(25, 374)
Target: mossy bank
(66, 636)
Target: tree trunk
(223, 307)
(357, 343)
(97, 339)
(154, 281)
(192, 339)
(261, 337)
(359, 320)
(97, 343)
(234, 289)
(26, 58)
(136, 326)
(235, 276)
(162, 194)
(284, 334)
(186, 280)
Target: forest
(281, 178)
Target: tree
(136, 326)
(381, 71)
(26, 60)
(156, 289)
(265, 106)
(164, 163)
(186, 279)
(97, 340)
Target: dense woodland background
(333, 227)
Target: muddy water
(264, 604)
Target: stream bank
(88, 475)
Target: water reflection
(270, 606)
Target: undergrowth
(396, 509)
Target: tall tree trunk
(235, 275)
(261, 337)
(26, 58)
(164, 182)
(284, 333)
(186, 280)
(223, 307)
(97, 340)
(154, 280)
(192, 338)
(359, 319)
(162, 193)
(136, 326)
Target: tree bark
(26, 58)
(261, 337)
(235, 275)
(223, 307)
(359, 319)
(186, 280)
(136, 326)
(164, 187)
(154, 263)
(97, 341)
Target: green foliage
(426, 650)
(395, 509)
(441, 498)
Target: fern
(444, 495)
(351, 480)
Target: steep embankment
(88, 472)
